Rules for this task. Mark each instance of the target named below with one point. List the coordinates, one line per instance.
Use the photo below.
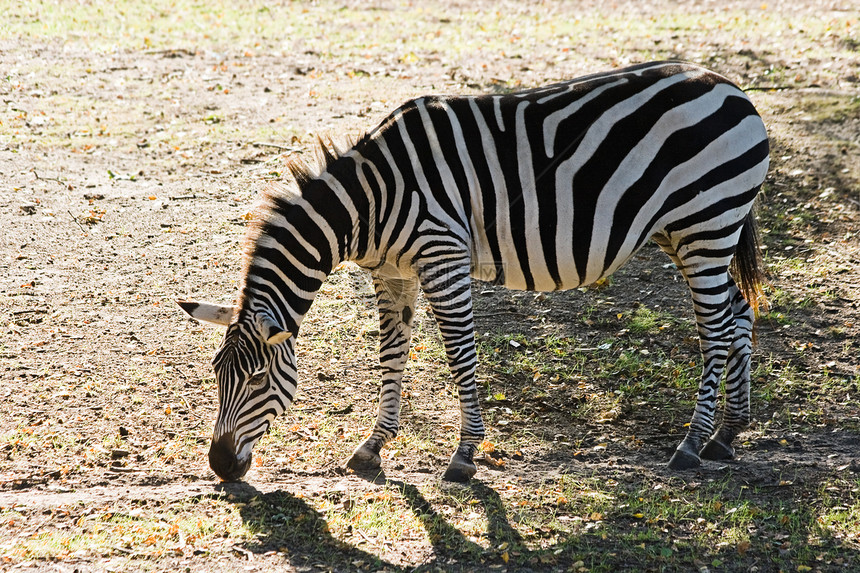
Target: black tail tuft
(747, 267)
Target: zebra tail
(747, 266)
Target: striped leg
(712, 290)
(448, 290)
(737, 413)
(395, 299)
(716, 325)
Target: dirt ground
(126, 179)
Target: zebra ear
(272, 332)
(278, 337)
(208, 312)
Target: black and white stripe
(545, 189)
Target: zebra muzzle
(224, 461)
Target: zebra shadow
(287, 525)
(452, 549)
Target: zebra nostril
(223, 460)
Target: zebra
(544, 189)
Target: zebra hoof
(716, 450)
(461, 468)
(684, 460)
(460, 473)
(363, 459)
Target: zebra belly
(512, 277)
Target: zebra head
(256, 376)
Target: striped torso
(556, 187)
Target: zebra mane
(327, 153)
(279, 196)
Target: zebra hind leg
(710, 285)
(737, 410)
(395, 299)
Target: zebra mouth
(224, 461)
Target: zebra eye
(257, 379)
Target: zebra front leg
(715, 321)
(450, 296)
(737, 410)
(396, 301)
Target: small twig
(501, 310)
(63, 183)
(242, 551)
(769, 88)
(276, 146)
(75, 219)
(170, 53)
(366, 538)
(122, 470)
(121, 549)
(29, 310)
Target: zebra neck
(301, 239)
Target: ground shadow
(450, 546)
(289, 525)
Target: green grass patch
(518, 368)
(835, 109)
(144, 531)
